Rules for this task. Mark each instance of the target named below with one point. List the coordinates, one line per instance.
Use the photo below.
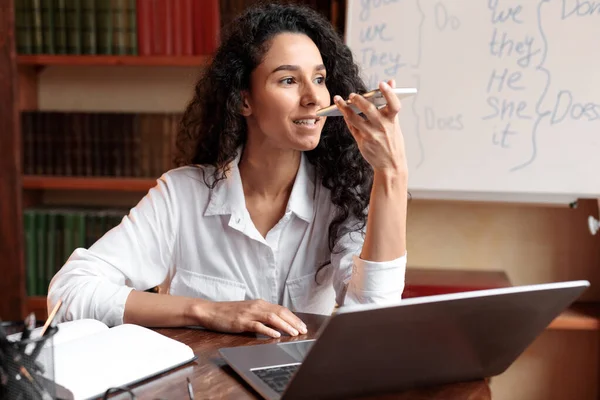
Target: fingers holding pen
(378, 134)
(368, 109)
(393, 105)
(354, 121)
(370, 112)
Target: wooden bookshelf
(37, 305)
(83, 60)
(88, 183)
(12, 289)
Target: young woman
(272, 210)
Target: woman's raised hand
(378, 133)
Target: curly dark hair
(212, 127)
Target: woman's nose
(309, 96)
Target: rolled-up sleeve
(136, 254)
(358, 281)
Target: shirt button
(238, 219)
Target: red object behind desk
(428, 282)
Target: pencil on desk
(190, 389)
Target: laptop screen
(298, 350)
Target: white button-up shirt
(194, 241)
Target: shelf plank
(164, 61)
(88, 183)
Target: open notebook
(89, 357)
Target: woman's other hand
(378, 136)
(249, 316)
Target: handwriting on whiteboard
(517, 47)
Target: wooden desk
(212, 378)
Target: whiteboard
(509, 93)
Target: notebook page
(67, 331)
(115, 357)
(72, 330)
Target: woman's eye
(320, 80)
(287, 81)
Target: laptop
(417, 342)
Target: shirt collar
(227, 197)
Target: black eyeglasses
(128, 390)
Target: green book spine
(36, 14)
(132, 40)
(101, 224)
(30, 245)
(59, 257)
(90, 227)
(73, 21)
(51, 246)
(28, 23)
(21, 27)
(104, 26)
(113, 217)
(48, 27)
(41, 227)
(68, 234)
(119, 19)
(60, 16)
(88, 27)
(79, 237)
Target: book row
(52, 234)
(138, 145)
(117, 27)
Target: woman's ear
(246, 109)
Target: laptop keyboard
(277, 378)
